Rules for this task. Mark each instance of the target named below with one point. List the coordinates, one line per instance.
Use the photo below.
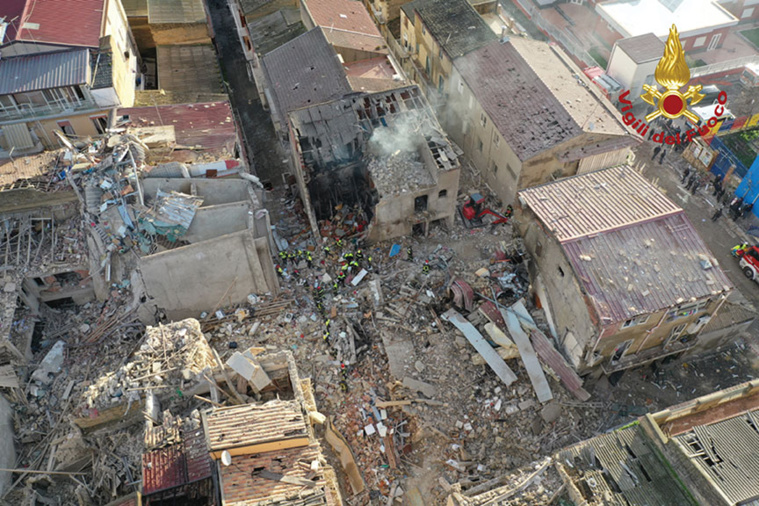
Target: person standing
(686, 173)
(717, 214)
(661, 158)
(657, 149)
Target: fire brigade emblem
(672, 72)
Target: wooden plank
(292, 480)
(280, 444)
(529, 358)
(344, 453)
(8, 378)
(495, 362)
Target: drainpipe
(724, 298)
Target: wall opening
(344, 188)
(420, 204)
(418, 230)
(63, 303)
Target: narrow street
(263, 150)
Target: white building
(633, 61)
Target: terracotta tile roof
(596, 202)
(349, 15)
(248, 425)
(633, 251)
(210, 125)
(27, 167)
(242, 487)
(361, 41)
(52, 21)
(454, 24)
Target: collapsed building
(382, 154)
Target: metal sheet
(495, 362)
(44, 71)
(18, 136)
(529, 358)
(548, 355)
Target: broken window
(101, 124)
(420, 204)
(496, 138)
(483, 119)
(66, 128)
(479, 145)
(561, 272)
(620, 351)
(461, 87)
(638, 320)
(687, 310)
(442, 194)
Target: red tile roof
(241, 485)
(360, 41)
(55, 19)
(210, 125)
(163, 469)
(343, 15)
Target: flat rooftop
(637, 17)
(186, 69)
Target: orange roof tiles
(241, 486)
(348, 15)
(248, 425)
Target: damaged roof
(243, 484)
(349, 15)
(622, 467)
(596, 202)
(177, 464)
(726, 452)
(249, 425)
(454, 24)
(304, 72)
(206, 125)
(535, 97)
(633, 250)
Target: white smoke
(404, 133)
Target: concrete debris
(50, 365)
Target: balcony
(647, 356)
(36, 112)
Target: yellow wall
(440, 64)
(82, 125)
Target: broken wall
(213, 191)
(213, 221)
(223, 271)
(566, 298)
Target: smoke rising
(404, 133)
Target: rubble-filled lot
(422, 412)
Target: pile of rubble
(171, 357)
(400, 172)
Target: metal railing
(28, 111)
(723, 66)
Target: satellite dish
(226, 458)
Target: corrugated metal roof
(187, 68)
(241, 486)
(644, 268)
(728, 454)
(176, 12)
(44, 71)
(249, 425)
(630, 471)
(596, 202)
(135, 8)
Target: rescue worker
(359, 255)
(410, 254)
(335, 288)
(354, 264)
(369, 261)
(339, 243)
(509, 211)
(327, 323)
(299, 254)
(296, 274)
(717, 214)
(341, 276)
(738, 248)
(426, 267)
(309, 260)
(283, 256)
(348, 257)
(320, 291)
(326, 335)
(280, 271)
(326, 250)
(291, 258)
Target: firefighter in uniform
(410, 254)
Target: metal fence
(726, 159)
